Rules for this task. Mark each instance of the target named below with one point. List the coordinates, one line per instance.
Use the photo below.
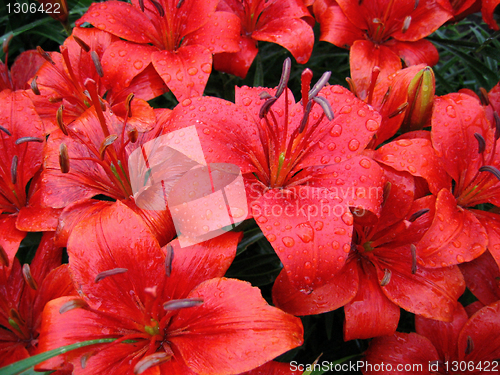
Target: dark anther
(285, 76)
(417, 214)
(169, 258)
(13, 169)
(483, 96)
(492, 170)
(28, 277)
(108, 141)
(34, 86)
(73, 304)
(5, 130)
(413, 250)
(63, 158)
(387, 277)
(97, 63)
(28, 139)
(416, 4)
(81, 43)
(104, 274)
(481, 143)
(497, 125)
(45, 55)
(320, 84)
(60, 122)
(177, 304)
(399, 110)
(141, 4)
(179, 3)
(325, 105)
(470, 346)
(4, 259)
(305, 117)
(158, 7)
(266, 107)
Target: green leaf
(28, 363)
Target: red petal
(455, 235)
(81, 324)
(482, 277)
(225, 26)
(10, 238)
(432, 293)
(185, 71)
(35, 218)
(414, 53)
(368, 306)
(354, 125)
(203, 261)
(455, 119)
(339, 291)
(116, 238)
(488, 10)
(335, 26)
(299, 40)
(25, 68)
(491, 222)
(146, 85)
(417, 157)
(401, 349)
(123, 20)
(11, 350)
(482, 328)
(237, 63)
(364, 56)
(305, 228)
(141, 115)
(122, 61)
(233, 315)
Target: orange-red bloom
(170, 309)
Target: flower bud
(421, 98)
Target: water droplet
(207, 132)
(236, 212)
(206, 68)
(307, 265)
(336, 131)
(288, 241)
(345, 109)
(318, 225)
(353, 144)
(404, 142)
(325, 159)
(450, 111)
(305, 232)
(457, 243)
(339, 231)
(331, 146)
(372, 125)
(271, 237)
(347, 218)
(122, 53)
(365, 163)
(208, 214)
(412, 169)
(206, 228)
(186, 102)
(192, 71)
(138, 64)
(361, 113)
(460, 259)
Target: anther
(386, 192)
(5, 130)
(417, 214)
(470, 346)
(60, 122)
(325, 105)
(413, 250)
(179, 3)
(497, 125)
(177, 304)
(399, 110)
(109, 140)
(266, 107)
(483, 96)
(81, 43)
(63, 158)
(141, 5)
(28, 139)
(406, 24)
(416, 4)
(128, 102)
(305, 117)
(387, 277)
(285, 76)
(13, 169)
(158, 7)
(45, 55)
(481, 143)
(72, 304)
(491, 169)
(150, 361)
(104, 274)
(169, 258)
(97, 63)
(320, 84)
(28, 277)
(34, 86)
(133, 135)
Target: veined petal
(401, 349)
(237, 63)
(226, 26)
(481, 276)
(186, 71)
(116, 238)
(363, 57)
(299, 41)
(432, 293)
(235, 320)
(414, 53)
(203, 261)
(117, 17)
(368, 306)
(491, 222)
(482, 328)
(444, 336)
(338, 292)
(310, 231)
(455, 235)
(25, 68)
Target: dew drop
(345, 109)
(138, 64)
(207, 132)
(460, 259)
(450, 111)
(206, 228)
(271, 237)
(336, 131)
(353, 144)
(347, 218)
(236, 212)
(318, 225)
(404, 142)
(331, 146)
(325, 159)
(305, 232)
(372, 125)
(186, 102)
(365, 163)
(206, 68)
(122, 53)
(307, 265)
(192, 71)
(288, 241)
(247, 101)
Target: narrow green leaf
(25, 364)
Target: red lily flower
(183, 34)
(463, 346)
(91, 159)
(303, 171)
(464, 149)
(482, 277)
(287, 23)
(24, 294)
(487, 9)
(21, 143)
(381, 33)
(23, 69)
(382, 274)
(180, 314)
(117, 69)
